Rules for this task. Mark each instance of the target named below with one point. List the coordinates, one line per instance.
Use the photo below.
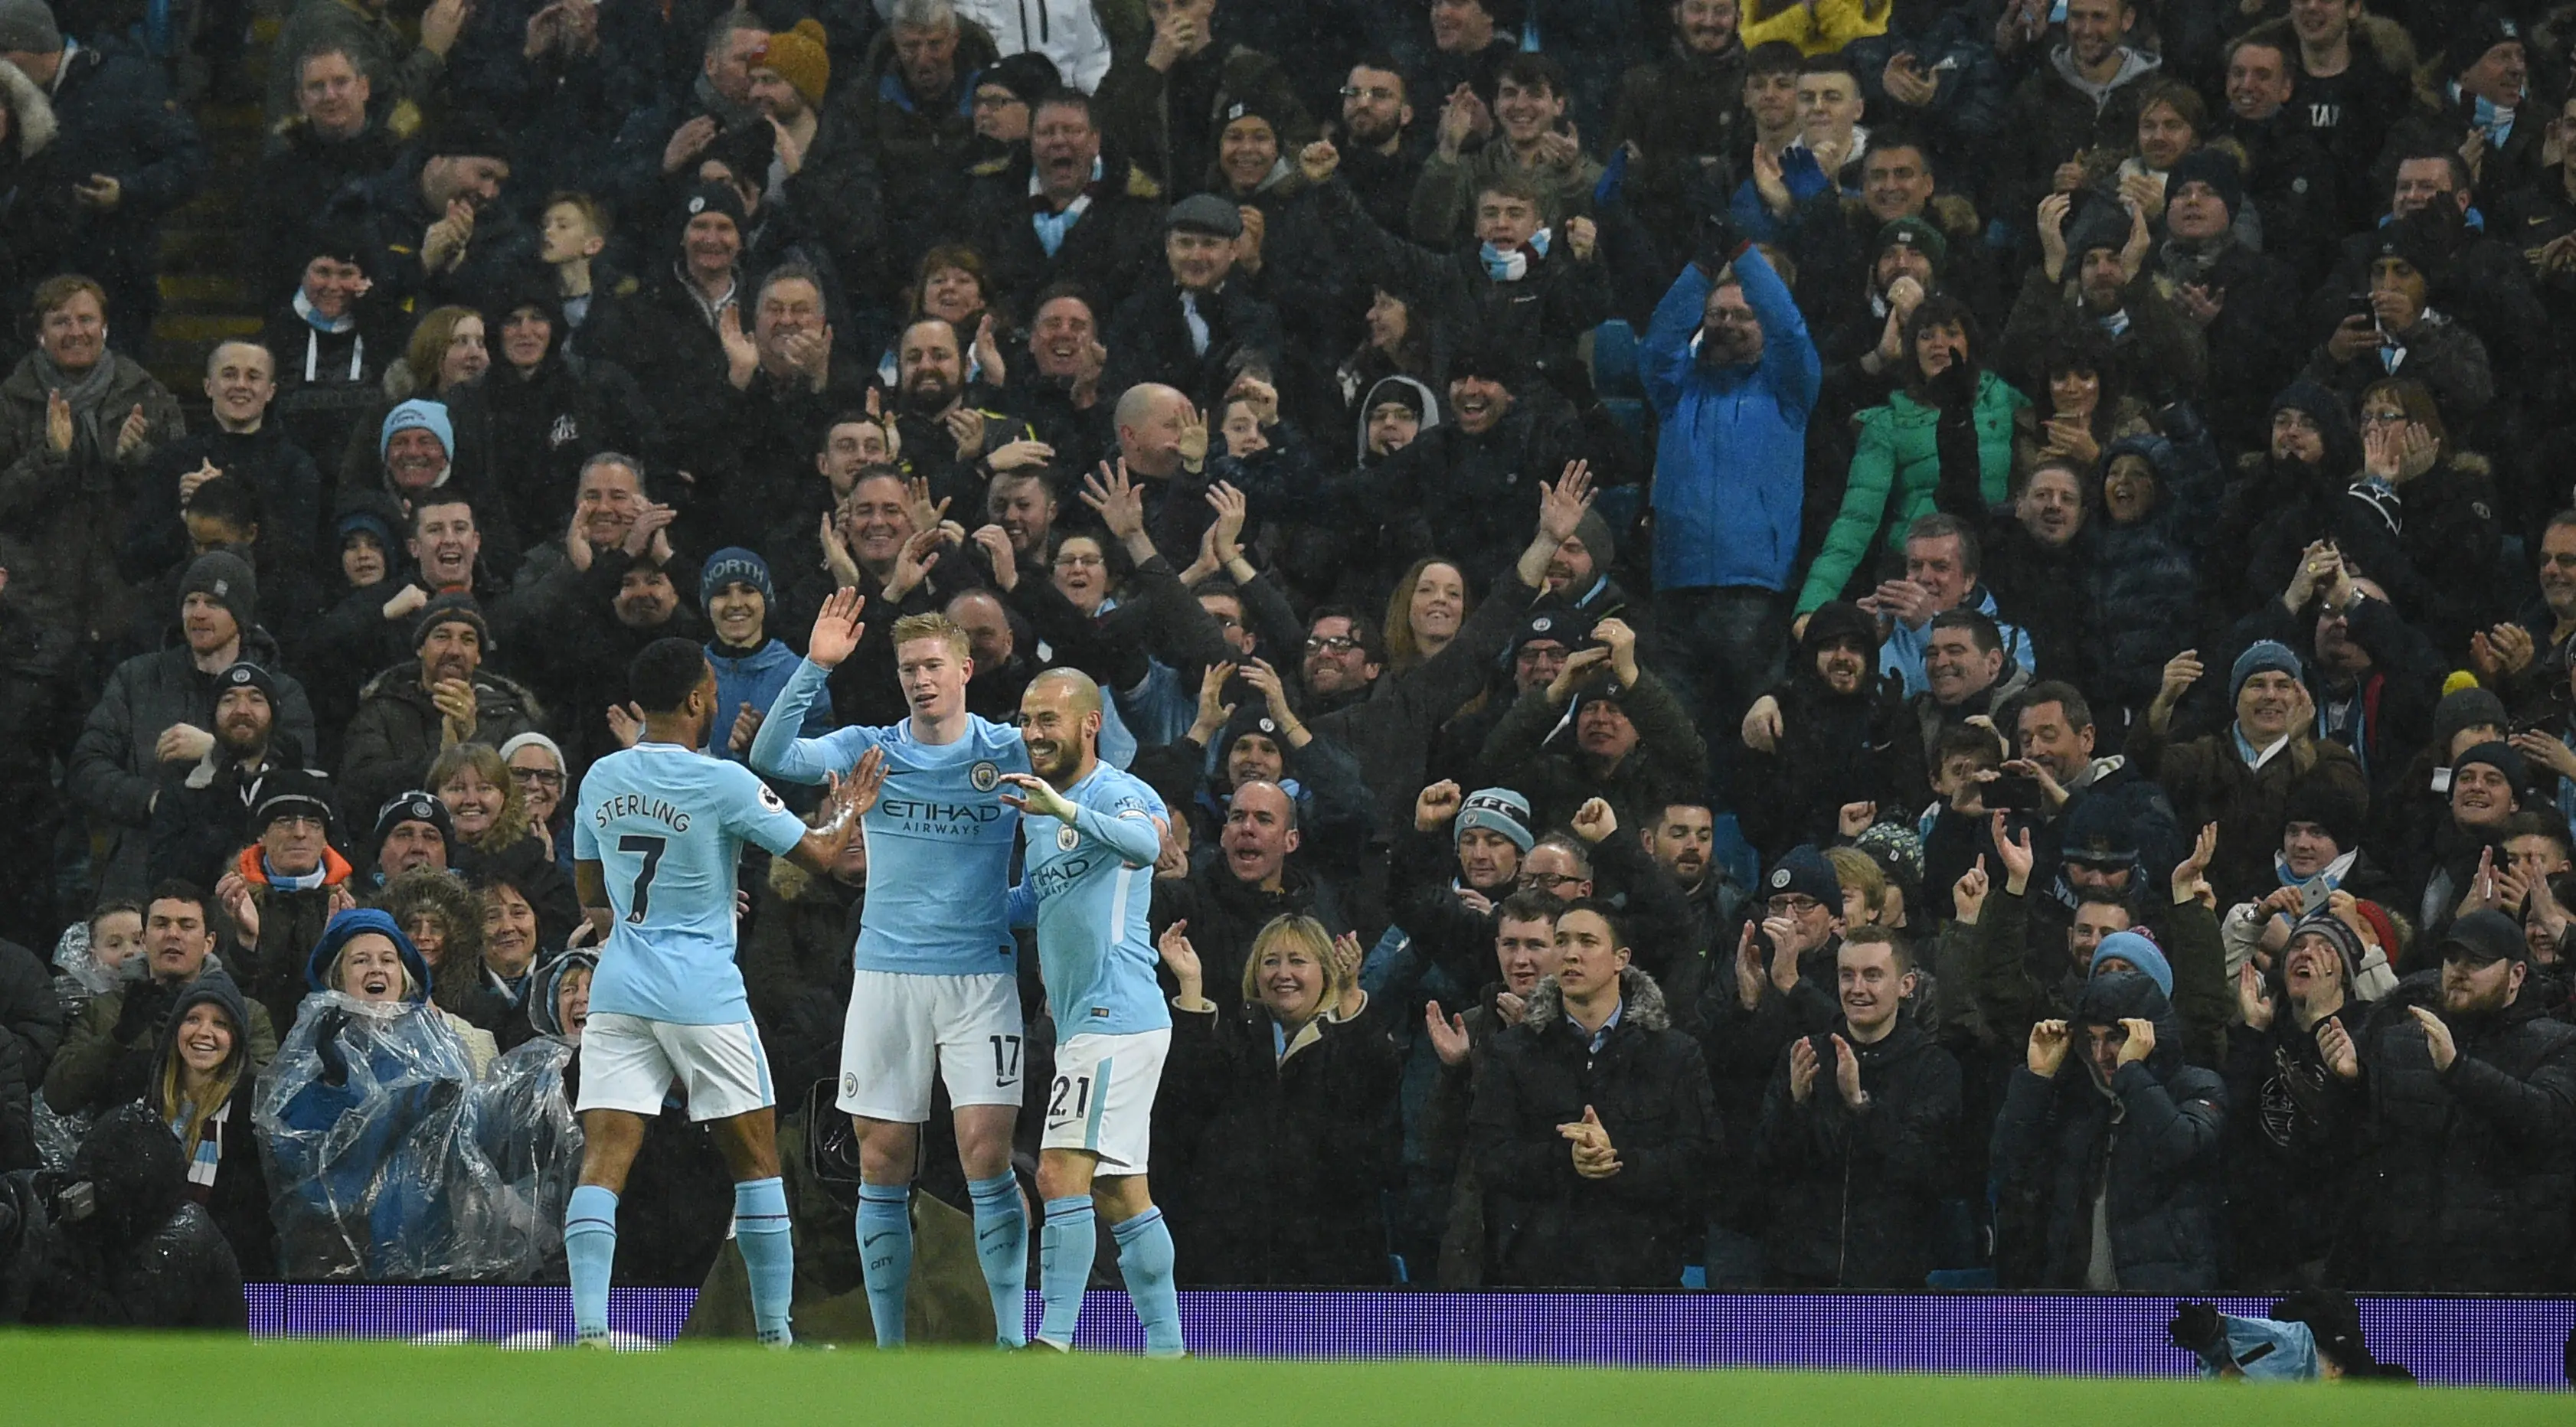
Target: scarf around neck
(87, 393)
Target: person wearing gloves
(2312, 1335)
(1632, 743)
(366, 1117)
(2118, 1142)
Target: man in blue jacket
(1733, 375)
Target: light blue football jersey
(939, 838)
(1088, 885)
(666, 826)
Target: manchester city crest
(984, 775)
(1066, 837)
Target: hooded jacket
(2466, 1173)
(146, 1257)
(2140, 585)
(1730, 466)
(1422, 396)
(1832, 749)
(1854, 1193)
(1896, 475)
(1546, 1225)
(232, 1182)
(36, 204)
(2146, 1145)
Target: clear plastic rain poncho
(534, 1143)
(79, 978)
(376, 1142)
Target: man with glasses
(1380, 161)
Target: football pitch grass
(61, 1379)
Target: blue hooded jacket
(755, 679)
(1731, 464)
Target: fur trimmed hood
(31, 114)
(1641, 1001)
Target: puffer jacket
(1283, 1155)
(1896, 476)
(1547, 1226)
(2149, 1143)
(1854, 1192)
(2467, 1174)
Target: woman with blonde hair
(202, 1088)
(496, 835)
(1283, 1116)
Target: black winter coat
(2291, 1149)
(31, 1030)
(1546, 1225)
(2151, 1146)
(238, 1199)
(1854, 1192)
(1282, 1161)
(2467, 1174)
(147, 1258)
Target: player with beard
(1093, 834)
(943, 438)
(934, 986)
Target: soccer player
(936, 986)
(656, 843)
(1087, 886)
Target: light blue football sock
(760, 1230)
(1065, 1249)
(1002, 1243)
(885, 1255)
(590, 1252)
(1145, 1260)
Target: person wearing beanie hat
(284, 883)
(417, 445)
(199, 811)
(226, 579)
(2240, 777)
(735, 589)
(1818, 739)
(789, 75)
(2470, 711)
(2116, 1205)
(412, 830)
(1917, 236)
(1496, 810)
(1251, 152)
(2245, 302)
(444, 696)
(2132, 951)
(27, 27)
(2486, 70)
(2288, 1148)
(1579, 572)
(1005, 93)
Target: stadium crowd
(1924, 643)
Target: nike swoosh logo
(872, 1238)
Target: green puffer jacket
(1895, 469)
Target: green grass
(58, 1380)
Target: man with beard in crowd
(2470, 1120)
(203, 808)
(955, 445)
(442, 697)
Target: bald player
(1092, 833)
